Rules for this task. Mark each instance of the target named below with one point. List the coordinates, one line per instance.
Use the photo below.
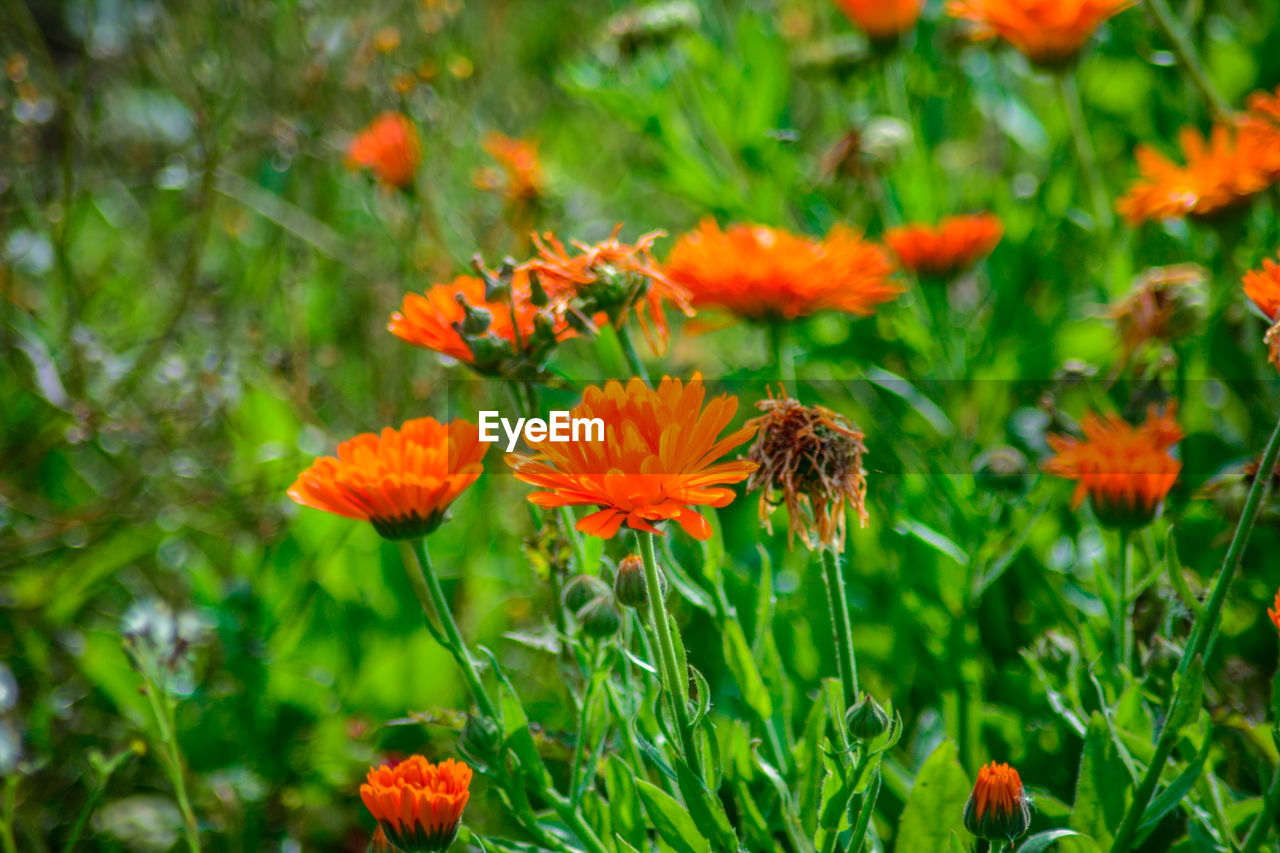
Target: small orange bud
(998, 808)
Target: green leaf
(957, 845)
(671, 820)
(737, 655)
(1170, 798)
(1102, 789)
(935, 805)
(624, 802)
(1042, 841)
(706, 810)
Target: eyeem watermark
(559, 426)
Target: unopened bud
(998, 809)
(599, 617)
(1002, 470)
(630, 587)
(866, 720)
(581, 590)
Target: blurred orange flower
(1234, 165)
(764, 273)
(418, 805)
(1049, 32)
(401, 482)
(1263, 287)
(882, 19)
(612, 277)
(521, 180)
(947, 248)
(657, 460)
(1274, 612)
(433, 320)
(390, 148)
(1126, 471)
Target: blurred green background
(195, 295)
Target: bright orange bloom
(998, 809)
(764, 273)
(390, 148)
(612, 277)
(1049, 32)
(400, 482)
(1126, 471)
(418, 805)
(1230, 169)
(947, 248)
(882, 19)
(432, 320)
(1263, 287)
(1274, 612)
(521, 179)
(657, 460)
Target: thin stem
(1084, 149)
(676, 684)
(1266, 818)
(845, 659)
(6, 818)
(783, 357)
(1121, 617)
(162, 711)
(422, 577)
(575, 821)
(629, 350)
(1206, 626)
(1185, 51)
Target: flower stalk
(840, 625)
(1123, 617)
(1085, 151)
(1185, 51)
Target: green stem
(1266, 818)
(1121, 617)
(422, 577)
(840, 626)
(676, 684)
(783, 357)
(575, 821)
(629, 350)
(1084, 149)
(1185, 51)
(1205, 627)
(162, 712)
(6, 817)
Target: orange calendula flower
(1126, 471)
(656, 460)
(1226, 172)
(1049, 32)
(1263, 287)
(456, 319)
(998, 809)
(610, 277)
(521, 179)
(401, 482)
(1274, 612)
(947, 248)
(389, 147)
(882, 20)
(418, 805)
(763, 273)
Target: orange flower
(521, 179)
(390, 148)
(418, 805)
(764, 273)
(1263, 287)
(1126, 471)
(882, 20)
(998, 809)
(1234, 165)
(657, 460)
(947, 248)
(611, 277)
(1274, 612)
(434, 320)
(1049, 32)
(400, 482)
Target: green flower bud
(599, 617)
(630, 587)
(866, 720)
(581, 590)
(1001, 470)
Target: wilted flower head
(873, 147)
(809, 459)
(497, 327)
(658, 460)
(401, 482)
(651, 24)
(1050, 33)
(1126, 471)
(520, 179)
(159, 638)
(882, 20)
(950, 247)
(1165, 304)
(998, 809)
(389, 147)
(763, 273)
(610, 278)
(1220, 175)
(418, 805)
